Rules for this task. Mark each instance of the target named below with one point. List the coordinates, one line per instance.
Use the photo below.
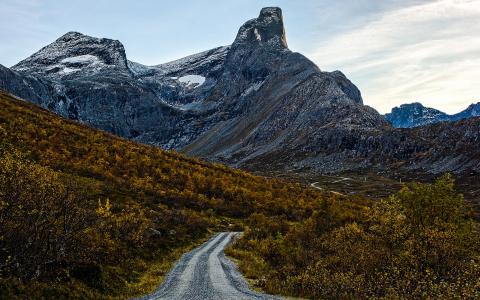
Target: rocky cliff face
(254, 104)
(255, 92)
(279, 100)
(415, 114)
(74, 55)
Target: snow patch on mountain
(192, 80)
(68, 70)
(257, 35)
(253, 88)
(81, 59)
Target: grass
(154, 272)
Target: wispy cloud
(428, 52)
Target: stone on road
(206, 274)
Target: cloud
(428, 52)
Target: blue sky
(395, 51)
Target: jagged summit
(474, 108)
(413, 104)
(268, 28)
(72, 35)
(74, 52)
(415, 114)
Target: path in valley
(314, 185)
(205, 273)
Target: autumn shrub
(419, 243)
(40, 219)
(96, 212)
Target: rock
(75, 52)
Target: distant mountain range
(254, 104)
(415, 114)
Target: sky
(395, 51)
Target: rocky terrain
(254, 104)
(415, 114)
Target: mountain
(230, 103)
(415, 114)
(254, 104)
(473, 110)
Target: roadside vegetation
(84, 214)
(417, 244)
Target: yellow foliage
(104, 210)
(417, 244)
(125, 201)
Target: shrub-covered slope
(418, 244)
(86, 214)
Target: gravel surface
(205, 273)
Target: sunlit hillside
(97, 214)
(85, 214)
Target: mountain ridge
(73, 52)
(252, 102)
(188, 111)
(415, 114)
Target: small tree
(427, 205)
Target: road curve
(206, 274)
(314, 185)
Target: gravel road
(205, 273)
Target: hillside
(417, 244)
(86, 214)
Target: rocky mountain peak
(413, 108)
(413, 105)
(71, 35)
(268, 28)
(474, 107)
(413, 115)
(74, 52)
(473, 110)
